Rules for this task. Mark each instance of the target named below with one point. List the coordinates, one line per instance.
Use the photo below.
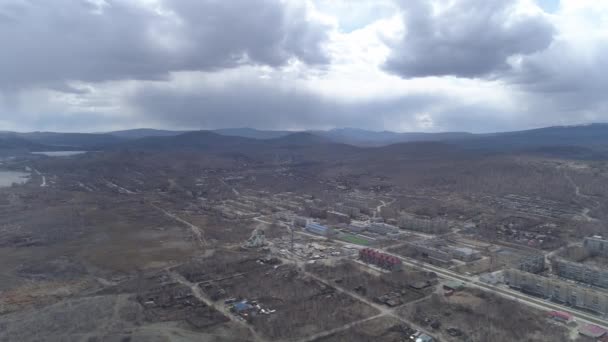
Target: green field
(354, 239)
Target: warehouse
(318, 229)
(464, 253)
(336, 217)
(383, 228)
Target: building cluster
(536, 206)
(230, 210)
(558, 290)
(246, 308)
(424, 225)
(337, 217)
(353, 206)
(319, 229)
(253, 203)
(357, 226)
(596, 245)
(380, 228)
(363, 203)
(532, 264)
(351, 211)
(379, 259)
(437, 250)
(579, 271)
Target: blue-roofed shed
(242, 306)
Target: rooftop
(591, 330)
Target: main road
(470, 281)
(581, 316)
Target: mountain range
(586, 140)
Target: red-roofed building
(386, 261)
(560, 316)
(592, 331)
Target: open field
(373, 284)
(354, 239)
(164, 238)
(482, 317)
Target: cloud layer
(49, 43)
(408, 65)
(465, 38)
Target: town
(228, 250)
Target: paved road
(508, 293)
(535, 302)
(383, 310)
(196, 291)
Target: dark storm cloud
(265, 104)
(469, 38)
(566, 82)
(46, 43)
(565, 68)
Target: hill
(11, 141)
(145, 132)
(361, 137)
(558, 141)
(85, 141)
(252, 133)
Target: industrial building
(596, 245)
(385, 261)
(300, 221)
(317, 212)
(336, 217)
(382, 228)
(431, 252)
(362, 204)
(580, 272)
(464, 253)
(357, 226)
(533, 264)
(348, 210)
(424, 225)
(558, 290)
(285, 216)
(318, 229)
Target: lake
(7, 178)
(59, 153)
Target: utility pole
(293, 226)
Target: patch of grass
(354, 239)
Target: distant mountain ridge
(144, 132)
(566, 141)
(252, 133)
(361, 137)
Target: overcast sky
(402, 65)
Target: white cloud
(562, 82)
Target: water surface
(7, 178)
(60, 153)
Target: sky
(399, 65)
